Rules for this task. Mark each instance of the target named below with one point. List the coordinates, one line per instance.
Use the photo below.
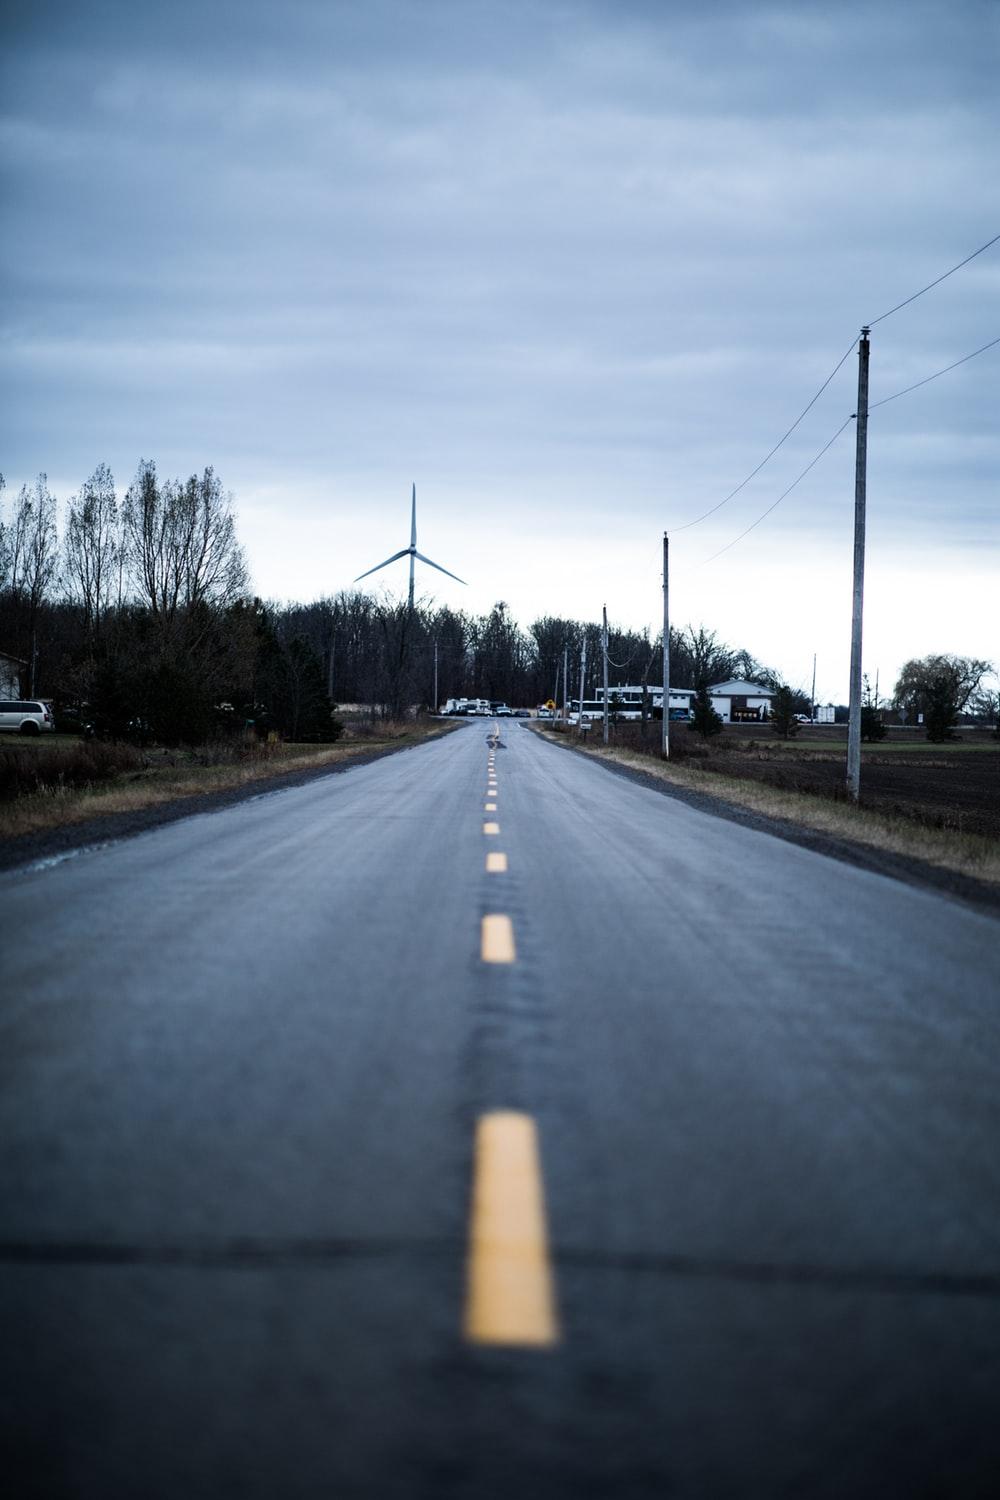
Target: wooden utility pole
(435, 675)
(812, 700)
(583, 678)
(860, 477)
(665, 741)
(565, 682)
(604, 643)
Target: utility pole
(812, 700)
(604, 643)
(665, 742)
(860, 478)
(435, 675)
(565, 683)
(583, 678)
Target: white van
(25, 717)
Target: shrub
(38, 769)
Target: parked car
(522, 713)
(26, 716)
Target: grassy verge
(42, 776)
(971, 855)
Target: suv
(26, 717)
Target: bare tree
(4, 541)
(92, 548)
(928, 676)
(181, 545)
(34, 558)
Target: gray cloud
(559, 250)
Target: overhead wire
(872, 407)
(811, 465)
(753, 474)
(881, 319)
(931, 284)
(927, 379)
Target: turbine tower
(412, 553)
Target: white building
(741, 702)
(736, 702)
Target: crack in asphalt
(252, 1254)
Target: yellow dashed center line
(510, 1297)
(491, 828)
(489, 807)
(496, 864)
(497, 940)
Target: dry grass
(170, 776)
(965, 854)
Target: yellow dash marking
(491, 827)
(496, 864)
(497, 943)
(510, 1297)
(489, 807)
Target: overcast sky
(572, 267)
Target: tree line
(137, 610)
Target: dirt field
(954, 786)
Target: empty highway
(480, 1123)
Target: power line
(936, 282)
(781, 497)
(688, 524)
(753, 474)
(885, 399)
(927, 379)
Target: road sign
(550, 703)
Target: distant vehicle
(545, 713)
(803, 718)
(680, 715)
(501, 710)
(462, 706)
(525, 713)
(26, 716)
(593, 708)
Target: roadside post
(583, 678)
(604, 645)
(665, 742)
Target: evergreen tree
(704, 719)
(782, 713)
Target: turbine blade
(413, 519)
(394, 558)
(430, 564)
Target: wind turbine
(410, 552)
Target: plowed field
(954, 787)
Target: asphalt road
(243, 1059)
